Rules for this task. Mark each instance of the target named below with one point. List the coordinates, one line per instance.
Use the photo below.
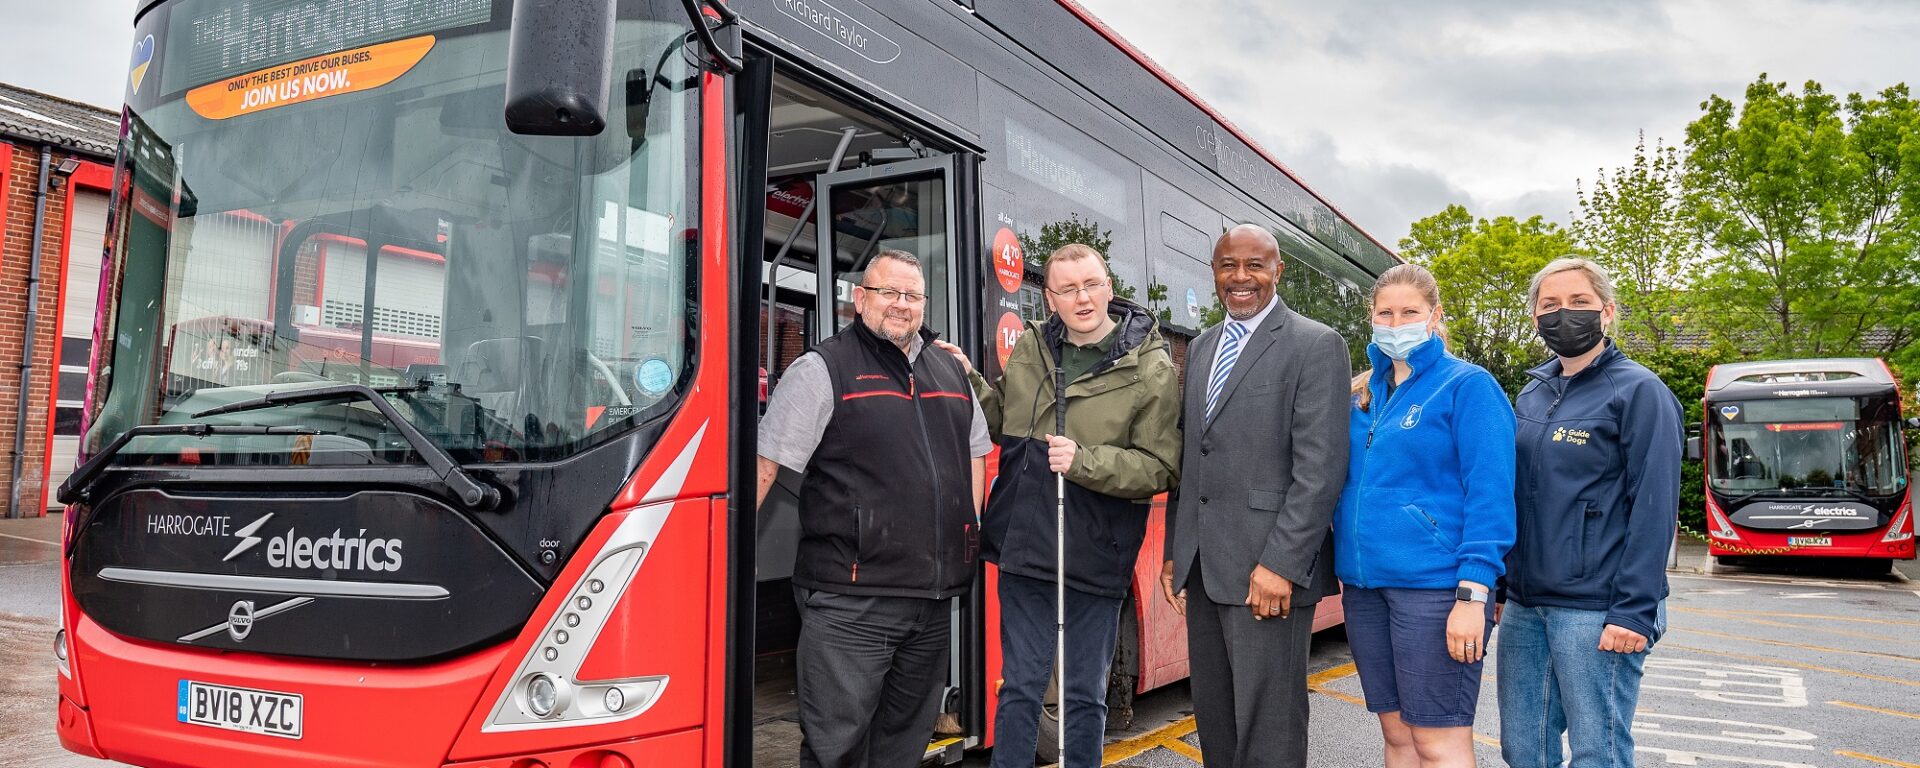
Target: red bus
(1807, 458)
(504, 275)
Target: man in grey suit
(1265, 419)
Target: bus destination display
(211, 39)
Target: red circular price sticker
(1004, 336)
(1008, 260)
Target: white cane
(1060, 563)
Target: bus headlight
(543, 696)
(60, 650)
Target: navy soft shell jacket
(1597, 490)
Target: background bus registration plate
(1809, 541)
(240, 709)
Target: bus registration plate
(1809, 541)
(240, 709)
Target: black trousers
(1249, 682)
(869, 671)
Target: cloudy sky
(1390, 109)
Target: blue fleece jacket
(1598, 490)
(1429, 496)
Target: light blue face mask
(1398, 342)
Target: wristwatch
(1469, 595)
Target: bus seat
(500, 373)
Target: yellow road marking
(1765, 622)
(1317, 683)
(1801, 646)
(1487, 740)
(1325, 676)
(1779, 615)
(1788, 663)
(1130, 747)
(1894, 712)
(1185, 750)
(1871, 758)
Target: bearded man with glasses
(890, 441)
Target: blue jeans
(1554, 679)
(1026, 652)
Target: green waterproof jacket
(1123, 413)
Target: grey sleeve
(797, 413)
(977, 437)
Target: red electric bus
(433, 333)
(1807, 458)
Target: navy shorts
(1399, 643)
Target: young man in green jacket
(1122, 446)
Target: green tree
(1802, 200)
(1635, 223)
(1483, 267)
(1057, 234)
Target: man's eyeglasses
(891, 295)
(1088, 289)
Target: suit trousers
(868, 675)
(1249, 682)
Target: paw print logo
(1560, 434)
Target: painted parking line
(1721, 614)
(1790, 663)
(1318, 682)
(26, 538)
(1881, 710)
(1785, 615)
(1158, 737)
(1875, 759)
(1173, 735)
(1801, 646)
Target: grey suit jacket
(1258, 482)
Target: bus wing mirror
(1693, 448)
(559, 67)
(1913, 422)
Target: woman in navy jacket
(1423, 525)
(1597, 491)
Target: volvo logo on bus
(327, 551)
(240, 620)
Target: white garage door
(407, 296)
(81, 278)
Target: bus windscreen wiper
(474, 494)
(73, 489)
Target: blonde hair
(1596, 275)
(1073, 252)
(1419, 279)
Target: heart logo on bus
(142, 58)
(1729, 411)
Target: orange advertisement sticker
(1006, 335)
(1008, 263)
(308, 79)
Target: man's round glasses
(1089, 289)
(892, 295)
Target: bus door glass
(905, 206)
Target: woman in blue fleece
(1598, 481)
(1423, 525)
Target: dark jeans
(1026, 648)
(867, 671)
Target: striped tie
(1229, 352)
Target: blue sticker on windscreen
(653, 376)
(1729, 412)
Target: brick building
(56, 170)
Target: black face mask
(1570, 332)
